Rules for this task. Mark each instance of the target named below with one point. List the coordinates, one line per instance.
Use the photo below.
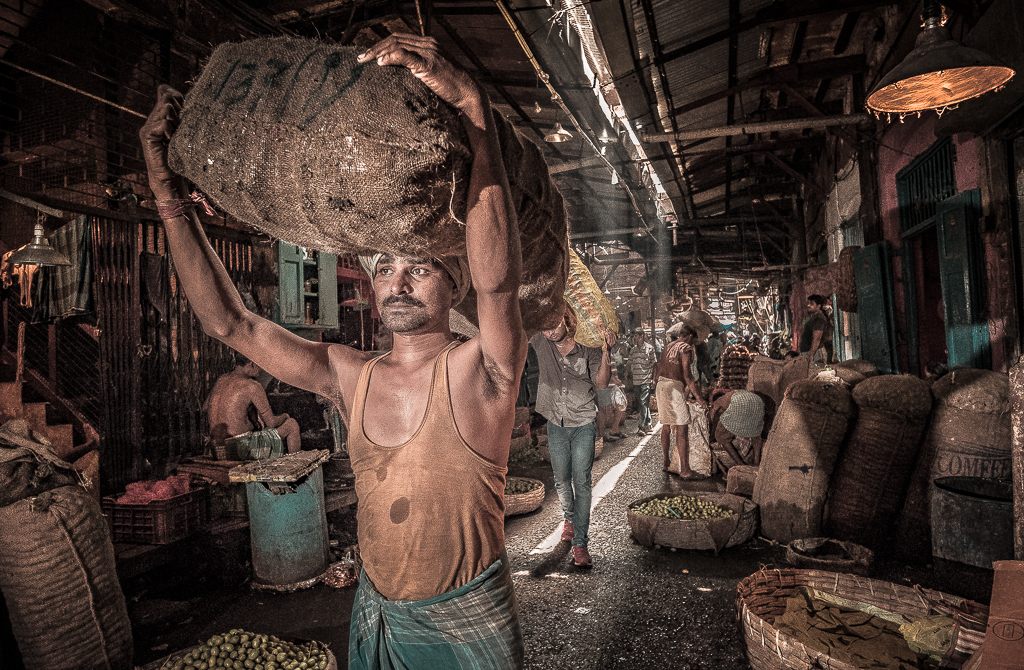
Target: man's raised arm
(210, 291)
(492, 235)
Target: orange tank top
(431, 513)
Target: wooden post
(1017, 455)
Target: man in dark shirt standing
(816, 335)
(566, 397)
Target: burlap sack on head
(970, 435)
(59, 579)
(296, 138)
(592, 308)
(798, 459)
(871, 475)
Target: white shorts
(673, 410)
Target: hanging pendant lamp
(38, 252)
(559, 134)
(938, 74)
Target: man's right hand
(156, 135)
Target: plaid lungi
(473, 627)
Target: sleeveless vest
(431, 512)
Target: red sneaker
(581, 557)
(568, 532)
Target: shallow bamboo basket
(711, 534)
(762, 596)
(521, 503)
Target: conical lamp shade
(37, 252)
(559, 134)
(938, 73)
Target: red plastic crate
(160, 521)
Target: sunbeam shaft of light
(603, 488)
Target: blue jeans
(572, 459)
(643, 398)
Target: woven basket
(711, 534)
(521, 503)
(823, 553)
(762, 596)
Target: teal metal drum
(290, 549)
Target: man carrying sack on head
(436, 591)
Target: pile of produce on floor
(682, 507)
(241, 649)
(517, 485)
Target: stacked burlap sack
(969, 435)
(736, 362)
(57, 569)
(798, 459)
(298, 139)
(874, 467)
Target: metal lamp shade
(559, 134)
(938, 73)
(37, 252)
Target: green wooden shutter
(327, 274)
(962, 272)
(875, 307)
(290, 284)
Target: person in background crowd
(241, 418)
(736, 421)
(816, 336)
(676, 389)
(611, 409)
(429, 473)
(934, 370)
(642, 359)
(569, 375)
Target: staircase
(18, 400)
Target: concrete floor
(637, 607)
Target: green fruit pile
(241, 649)
(682, 507)
(516, 485)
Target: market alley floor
(637, 607)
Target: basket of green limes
(522, 495)
(699, 521)
(242, 649)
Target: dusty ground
(637, 608)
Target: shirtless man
(675, 388)
(430, 475)
(232, 424)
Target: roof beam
(793, 72)
(788, 169)
(754, 128)
(772, 15)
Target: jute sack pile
(969, 435)
(873, 470)
(866, 368)
(763, 376)
(794, 370)
(799, 457)
(60, 582)
(296, 138)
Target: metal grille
(926, 181)
(76, 86)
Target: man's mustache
(402, 299)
